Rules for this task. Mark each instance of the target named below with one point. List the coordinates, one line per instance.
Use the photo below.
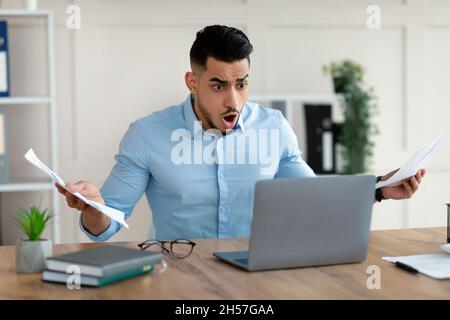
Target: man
(198, 162)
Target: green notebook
(62, 277)
(104, 261)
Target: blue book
(4, 60)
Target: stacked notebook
(100, 266)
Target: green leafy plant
(357, 130)
(33, 222)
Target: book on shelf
(4, 60)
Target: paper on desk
(110, 212)
(418, 161)
(436, 266)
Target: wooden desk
(201, 276)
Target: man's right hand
(93, 220)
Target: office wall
(129, 59)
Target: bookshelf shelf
(24, 100)
(37, 185)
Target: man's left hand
(407, 188)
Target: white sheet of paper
(418, 161)
(114, 214)
(436, 266)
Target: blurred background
(74, 91)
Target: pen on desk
(405, 267)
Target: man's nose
(232, 100)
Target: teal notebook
(104, 261)
(62, 277)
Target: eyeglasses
(180, 248)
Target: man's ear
(191, 81)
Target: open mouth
(229, 120)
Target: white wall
(129, 58)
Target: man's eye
(218, 87)
(242, 85)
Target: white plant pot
(31, 255)
(30, 4)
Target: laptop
(303, 222)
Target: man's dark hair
(223, 43)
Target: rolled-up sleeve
(128, 179)
(105, 235)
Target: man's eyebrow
(215, 79)
(242, 79)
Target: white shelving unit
(288, 102)
(290, 99)
(30, 101)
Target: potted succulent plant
(31, 252)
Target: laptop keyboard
(242, 261)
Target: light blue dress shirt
(199, 184)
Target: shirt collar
(240, 123)
(189, 115)
(190, 118)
